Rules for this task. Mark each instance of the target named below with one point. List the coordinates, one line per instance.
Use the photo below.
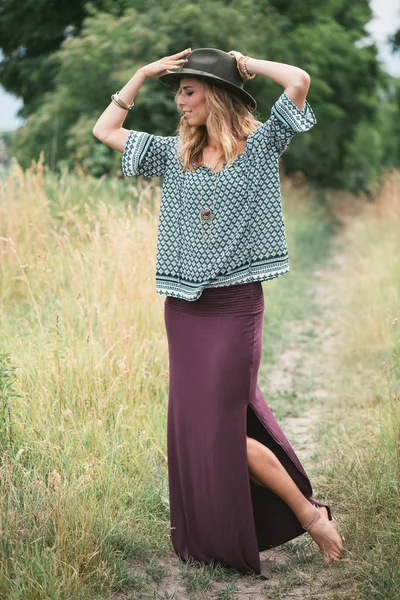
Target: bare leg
(265, 469)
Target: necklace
(212, 167)
(206, 214)
(206, 164)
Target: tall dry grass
(83, 481)
(83, 377)
(365, 471)
(83, 380)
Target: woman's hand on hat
(236, 54)
(244, 74)
(159, 67)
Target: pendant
(206, 215)
(206, 218)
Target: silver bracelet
(121, 103)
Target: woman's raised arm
(108, 128)
(295, 81)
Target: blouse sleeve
(146, 154)
(285, 122)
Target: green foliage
(395, 41)
(7, 395)
(109, 51)
(355, 102)
(389, 125)
(5, 142)
(363, 155)
(30, 34)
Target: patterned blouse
(224, 228)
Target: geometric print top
(240, 236)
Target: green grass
(310, 230)
(83, 427)
(82, 431)
(84, 384)
(363, 438)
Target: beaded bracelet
(243, 69)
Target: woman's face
(191, 101)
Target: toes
(328, 558)
(332, 555)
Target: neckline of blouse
(224, 167)
(237, 159)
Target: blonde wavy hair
(229, 120)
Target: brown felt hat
(215, 66)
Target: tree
(30, 33)
(395, 41)
(348, 88)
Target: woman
(236, 485)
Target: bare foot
(326, 537)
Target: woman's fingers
(236, 54)
(175, 66)
(180, 53)
(158, 67)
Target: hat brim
(172, 79)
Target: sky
(385, 22)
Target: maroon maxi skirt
(217, 514)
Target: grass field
(84, 461)
(365, 473)
(84, 381)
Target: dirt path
(301, 386)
